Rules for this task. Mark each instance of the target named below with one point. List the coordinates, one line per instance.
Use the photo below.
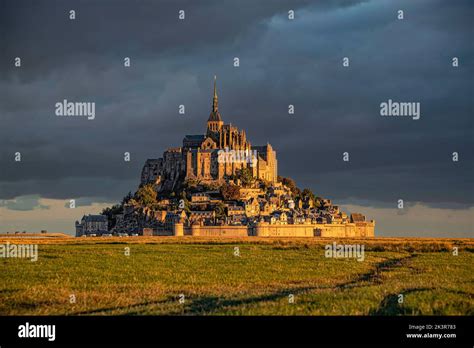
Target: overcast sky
(282, 62)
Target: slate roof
(215, 116)
(95, 218)
(195, 137)
(356, 217)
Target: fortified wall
(360, 229)
(263, 229)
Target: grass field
(159, 270)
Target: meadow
(203, 276)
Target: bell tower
(214, 123)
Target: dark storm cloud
(145, 28)
(282, 62)
(23, 203)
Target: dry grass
(375, 244)
(214, 281)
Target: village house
(199, 198)
(252, 207)
(203, 217)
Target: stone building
(211, 157)
(199, 197)
(92, 224)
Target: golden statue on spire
(214, 100)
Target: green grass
(259, 282)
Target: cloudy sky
(282, 62)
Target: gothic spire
(214, 123)
(214, 100)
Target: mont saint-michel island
(219, 184)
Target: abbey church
(200, 156)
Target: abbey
(200, 156)
(219, 184)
